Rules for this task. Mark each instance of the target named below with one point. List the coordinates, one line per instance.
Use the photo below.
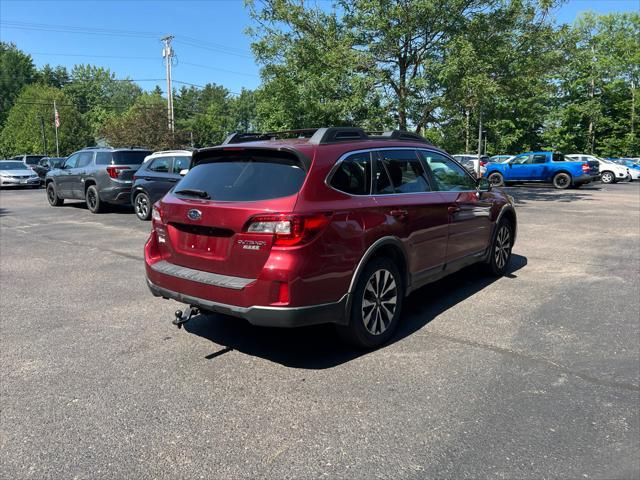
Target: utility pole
(477, 169)
(44, 136)
(167, 54)
(56, 122)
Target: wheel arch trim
(370, 252)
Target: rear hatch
(122, 164)
(207, 214)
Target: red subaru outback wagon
(334, 226)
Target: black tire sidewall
(558, 175)
(57, 200)
(497, 175)
(98, 207)
(357, 333)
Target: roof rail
(326, 135)
(337, 134)
(238, 137)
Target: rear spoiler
(219, 153)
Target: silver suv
(96, 175)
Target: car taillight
(114, 170)
(482, 163)
(157, 224)
(289, 230)
(585, 167)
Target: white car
(610, 172)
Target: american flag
(57, 118)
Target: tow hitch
(184, 317)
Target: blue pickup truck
(546, 167)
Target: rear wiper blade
(194, 192)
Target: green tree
(16, 71)
(596, 106)
(99, 95)
(22, 131)
(54, 77)
(312, 74)
(143, 125)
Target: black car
(155, 177)
(97, 175)
(46, 164)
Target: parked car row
(106, 176)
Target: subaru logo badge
(194, 214)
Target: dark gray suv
(96, 175)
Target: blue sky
(211, 43)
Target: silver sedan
(16, 174)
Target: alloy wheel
(503, 247)
(142, 205)
(607, 177)
(379, 301)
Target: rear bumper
(286, 317)
(119, 194)
(582, 179)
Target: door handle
(453, 209)
(399, 214)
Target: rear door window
(353, 175)
(84, 159)
(244, 178)
(181, 163)
(406, 171)
(160, 165)
(103, 158)
(539, 159)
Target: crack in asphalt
(532, 358)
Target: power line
(191, 41)
(124, 57)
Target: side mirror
(510, 164)
(184, 171)
(483, 185)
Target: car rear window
(244, 178)
(125, 157)
(33, 159)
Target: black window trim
(372, 152)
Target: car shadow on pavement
(319, 347)
(3, 212)
(530, 193)
(119, 209)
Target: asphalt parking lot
(535, 375)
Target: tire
(496, 179)
(52, 195)
(94, 204)
(142, 206)
(561, 181)
(370, 323)
(607, 177)
(500, 253)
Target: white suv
(610, 172)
